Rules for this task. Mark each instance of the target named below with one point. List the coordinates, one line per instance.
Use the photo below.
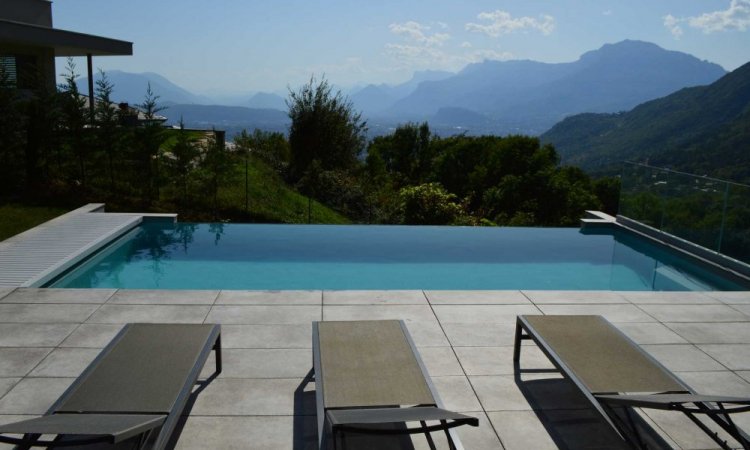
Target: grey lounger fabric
(612, 370)
(369, 372)
(138, 384)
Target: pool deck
(262, 401)
(36, 256)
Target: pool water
(248, 256)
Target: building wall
(34, 65)
(37, 12)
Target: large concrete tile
(240, 433)
(6, 384)
(716, 383)
(163, 297)
(92, 335)
(694, 313)
(255, 397)
(733, 356)
(477, 298)
(553, 429)
(521, 430)
(683, 358)
(668, 298)
(482, 437)
(574, 297)
(456, 393)
(487, 335)
(482, 313)
(17, 362)
(393, 297)
(270, 298)
(36, 335)
(650, 333)
(265, 363)
(731, 298)
(744, 309)
(535, 391)
(499, 360)
(440, 361)
(427, 334)
(65, 362)
(5, 291)
(684, 432)
(613, 313)
(267, 336)
(51, 295)
(407, 313)
(150, 314)
(28, 313)
(33, 395)
(713, 333)
(263, 315)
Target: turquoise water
(243, 256)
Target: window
(8, 69)
(20, 70)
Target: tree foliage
(325, 128)
(428, 204)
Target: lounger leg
(451, 444)
(517, 342)
(217, 349)
(427, 435)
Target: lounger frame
(453, 439)
(213, 343)
(626, 428)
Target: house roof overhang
(63, 42)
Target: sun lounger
(136, 388)
(612, 371)
(369, 377)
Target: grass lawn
(15, 219)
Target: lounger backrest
(601, 357)
(143, 372)
(369, 363)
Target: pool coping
(25, 243)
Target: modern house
(29, 44)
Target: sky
(228, 47)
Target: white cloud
(607, 12)
(484, 54)
(416, 32)
(673, 25)
(422, 48)
(500, 22)
(736, 17)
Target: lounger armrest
(349, 419)
(676, 401)
(111, 428)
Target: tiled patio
(48, 336)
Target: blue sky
(241, 46)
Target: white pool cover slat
(36, 256)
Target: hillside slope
(704, 130)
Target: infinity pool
(241, 256)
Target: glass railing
(712, 213)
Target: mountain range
(703, 130)
(131, 88)
(489, 97)
(529, 97)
